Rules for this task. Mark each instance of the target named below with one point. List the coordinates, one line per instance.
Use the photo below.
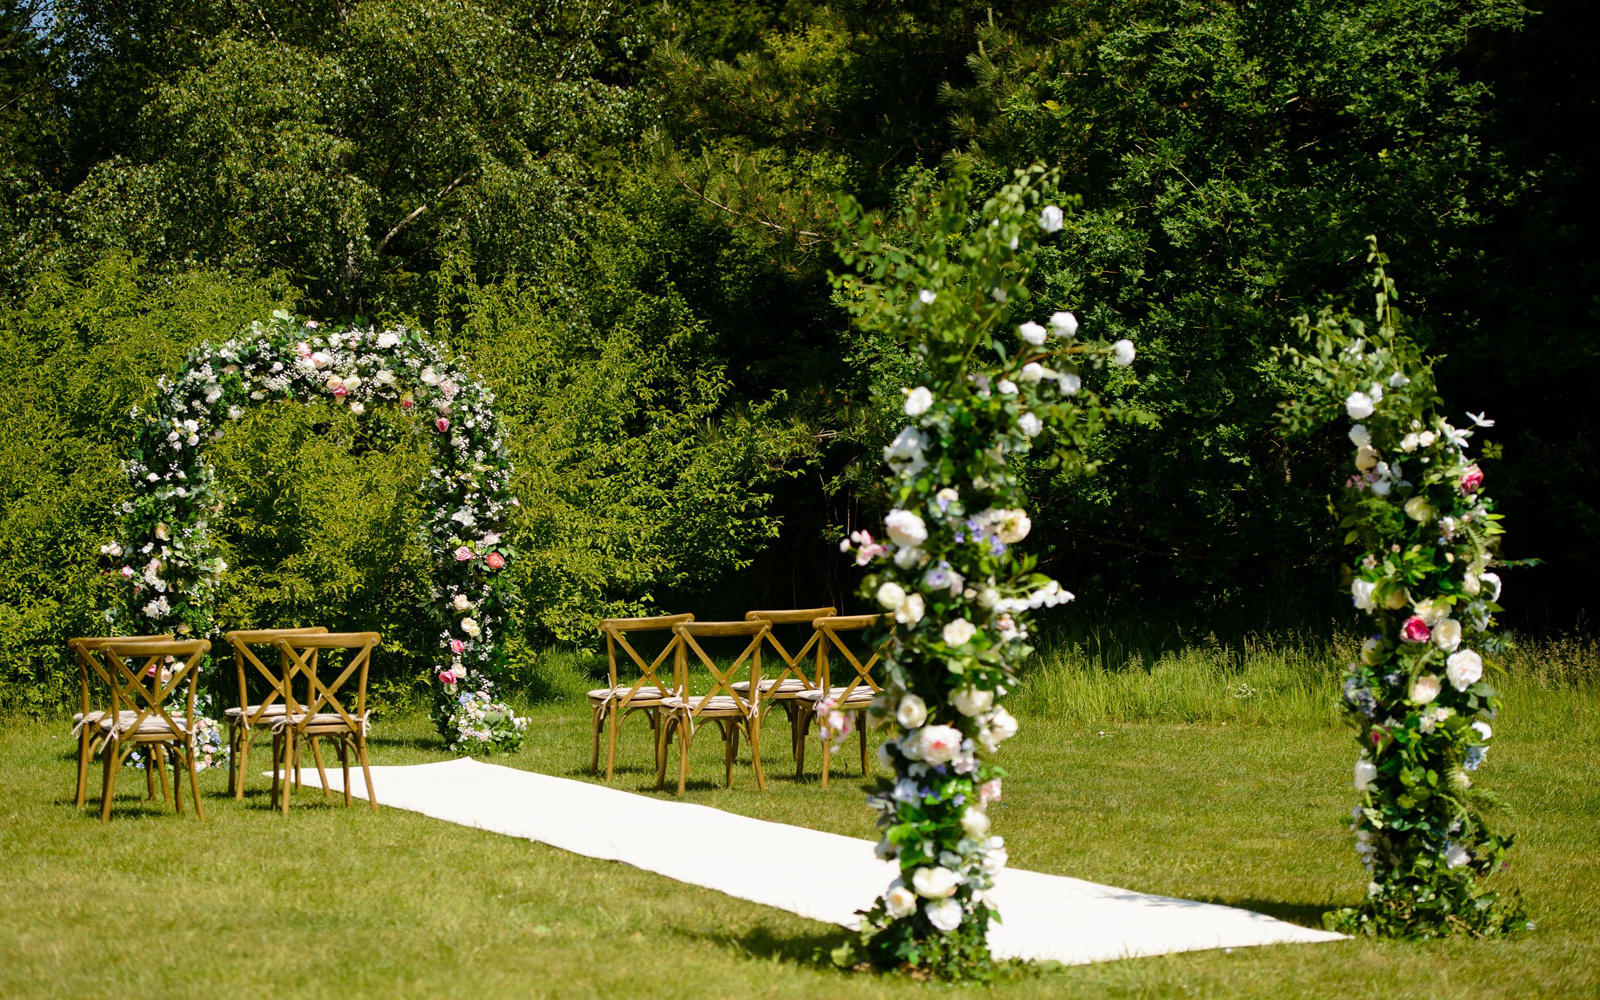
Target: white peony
(971, 701)
(959, 632)
(1063, 324)
(899, 901)
(1424, 689)
(1464, 669)
(1033, 333)
(1030, 424)
(1122, 353)
(1366, 774)
(1447, 635)
(938, 882)
(918, 400)
(1358, 405)
(891, 595)
(912, 711)
(1051, 219)
(944, 914)
(906, 528)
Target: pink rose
(407, 403)
(463, 554)
(447, 678)
(341, 392)
(127, 572)
(456, 645)
(938, 744)
(989, 791)
(1471, 479)
(1415, 630)
(443, 423)
(303, 349)
(495, 560)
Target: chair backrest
(796, 664)
(616, 631)
(87, 651)
(298, 654)
(241, 640)
(755, 634)
(830, 632)
(142, 675)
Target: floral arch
(166, 555)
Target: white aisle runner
(1046, 917)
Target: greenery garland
(165, 553)
(1427, 535)
(947, 568)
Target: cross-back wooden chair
(854, 695)
(322, 714)
(732, 711)
(254, 714)
(793, 672)
(658, 679)
(93, 680)
(143, 676)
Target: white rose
(911, 611)
(1002, 724)
(1420, 510)
(321, 359)
(1032, 372)
(1358, 405)
(937, 744)
(1360, 436)
(1366, 774)
(959, 632)
(461, 602)
(971, 701)
(935, 883)
(1033, 333)
(1492, 581)
(1063, 324)
(944, 914)
(912, 712)
(975, 823)
(384, 377)
(1366, 458)
(899, 901)
(891, 595)
(907, 558)
(1431, 612)
(1447, 635)
(388, 339)
(1464, 669)
(1425, 688)
(1070, 383)
(1122, 353)
(1051, 219)
(918, 400)
(1361, 594)
(1030, 424)
(1408, 443)
(1471, 584)
(1455, 856)
(358, 408)
(906, 528)
(1427, 438)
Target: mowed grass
(1207, 773)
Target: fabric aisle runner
(1045, 917)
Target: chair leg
(277, 766)
(150, 759)
(322, 772)
(85, 752)
(177, 775)
(827, 753)
(109, 786)
(289, 762)
(149, 778)
(685, 737)
(755, 752)
(613, 723)
(595, 715)
(366, 771)
(730, 750)
(233, 759)
(238, 765)
(344, 762)
(194, 782)
(861, 726)
(799, 733)
(663, 742)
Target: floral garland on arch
(1416, 509)
(948, 568)
(165, 553)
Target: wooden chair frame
(828, 630)
(126, 733)
(243, 722)
(796, 666)
(309, 722)
(739, 713)
(612, 705)
(86, 723)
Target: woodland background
(622, 216)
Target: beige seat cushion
(322, 722)
(645, 695)
(857, 698)
(722, 704)
(153, 725)
(235, 714)
(789, 686)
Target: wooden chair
(795, 675)
(138, 716)
(733, 712)
(249, 716)
(855, 695)
(86, 721)
(613, 704)
(321, 714)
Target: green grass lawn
(1242, 808)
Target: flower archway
(166, 554)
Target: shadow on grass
(1304, 914)
(806, 949)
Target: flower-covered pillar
(947, 566)
(1416, 510)
(165, 554)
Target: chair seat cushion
(859, 697)
(645, 695)
(153, 725)
(721, 704)
(236, 714)
(322, 722)
(789, 686)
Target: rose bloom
(1471, 479)
(1051, 218)
(447, 678)
(1464, 669)
(1447, 635)
(899, 901)
(971, 701)
(1070, 383)
(938, 744)
(1361, 594)
(911, 611)
(495, 561)
(1415, 630)
(1063, 324)
(443, 424)
(906, 528)
(918, 400)
(1122, 353)
(1033, 333)
(959, 632)
(975, 823)
(456, 645)
(935, 883)
(1420, 510)
(989, 791)
(1424, 689)
(407, 403)
(461, 602)
(1366, 773)
(463, 553)
(1358, 405)
(891, 595)
(912, 712)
